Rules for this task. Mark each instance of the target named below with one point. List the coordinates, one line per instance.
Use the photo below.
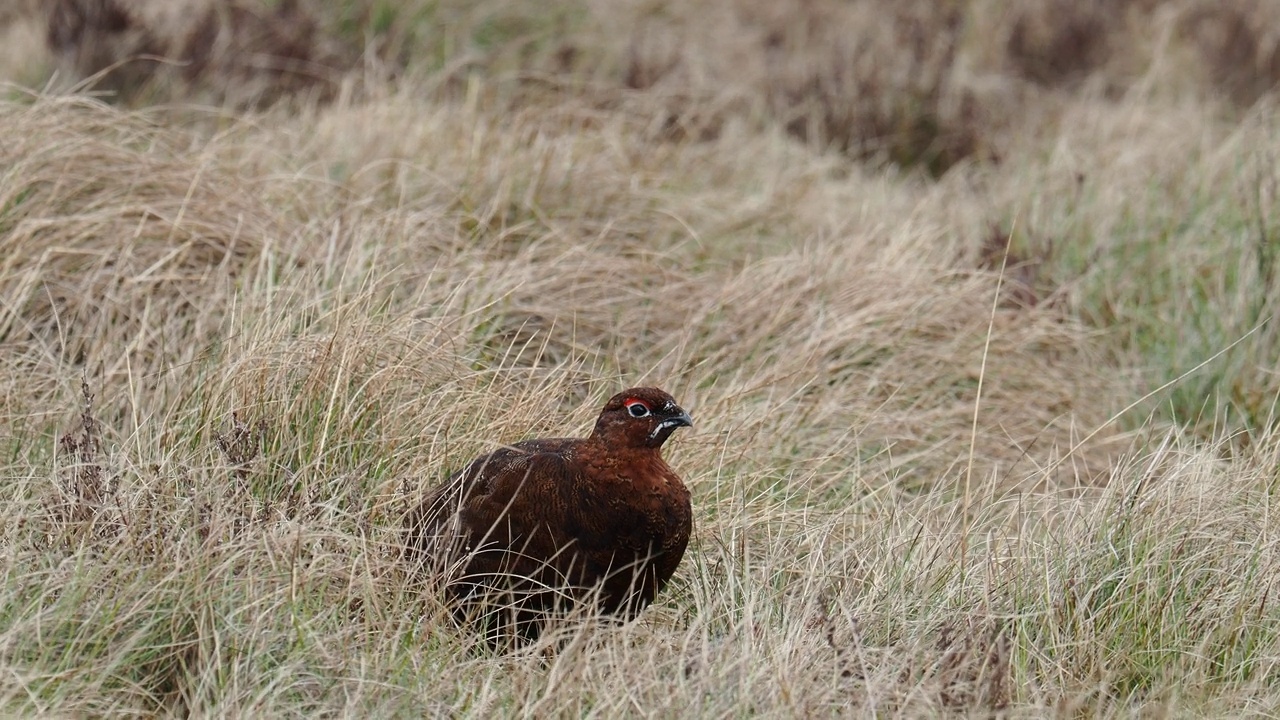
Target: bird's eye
(638, 410)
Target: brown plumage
(544, 525)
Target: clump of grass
(106, 232)
(1171, 578)
(1192, 241)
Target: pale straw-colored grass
(235, 349)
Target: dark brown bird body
(544, 525)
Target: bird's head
(641, 417)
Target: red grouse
(541, 526)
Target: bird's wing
(498, 497)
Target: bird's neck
(627, 449)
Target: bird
(541, 527)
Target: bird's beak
(667, 426)
(681, 420)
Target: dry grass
(236, 346)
